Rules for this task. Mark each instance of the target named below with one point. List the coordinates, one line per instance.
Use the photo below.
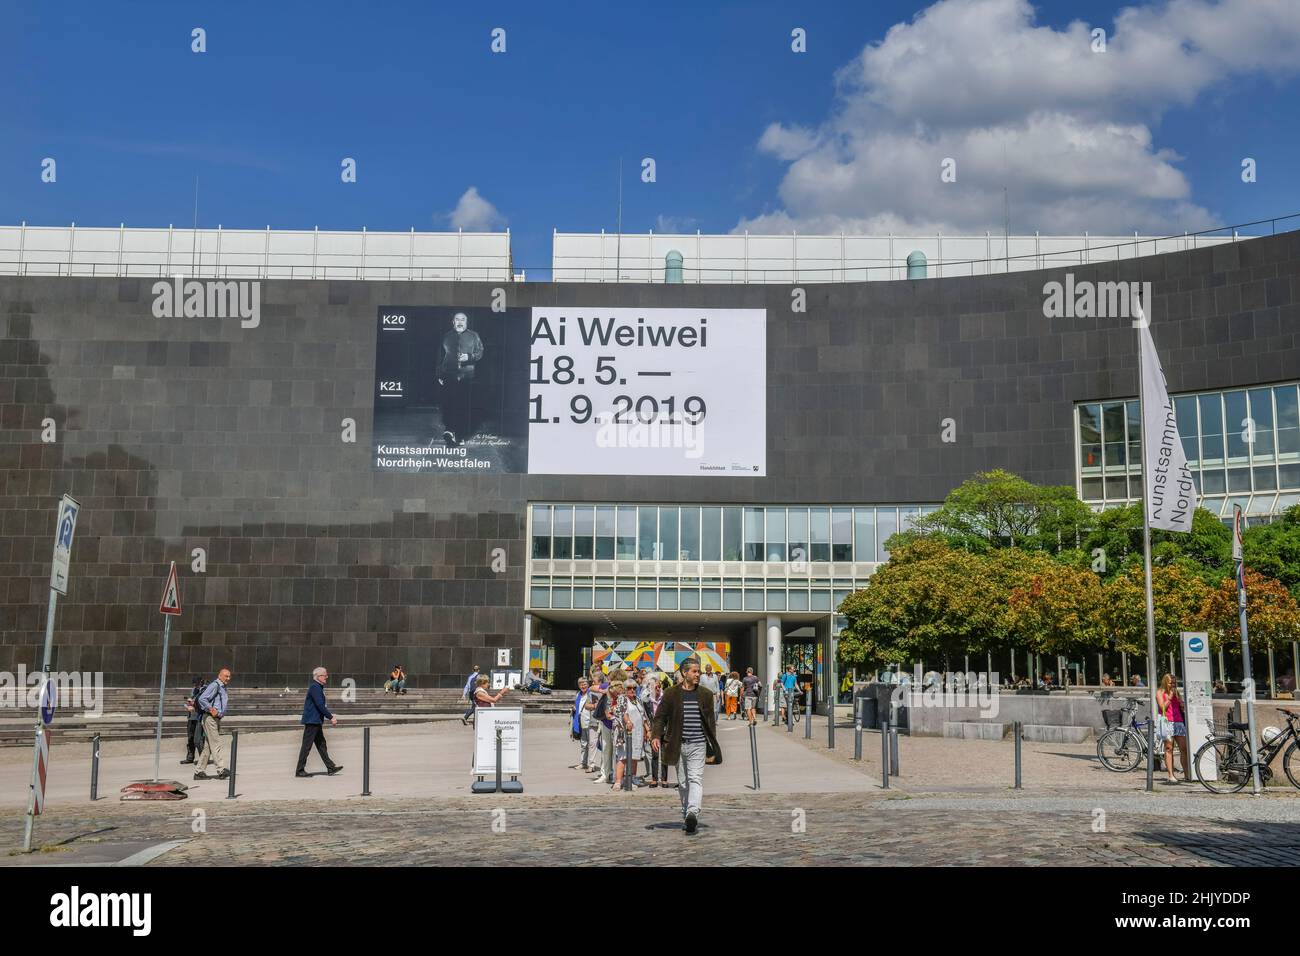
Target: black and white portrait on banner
(451, 389)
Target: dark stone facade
(177, 434)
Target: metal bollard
(753, 751)
(807, 715)
(365, 763)
(893, 752)
(884, 755)
(498, 790)
(830, 724)
(234, 760)
(1016, 731)
(789, 713)
(857, 728)
(94, 768)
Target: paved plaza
(952, 804)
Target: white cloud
(675, 225)
(473, 213)
(1066, 129)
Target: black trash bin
(870, 714)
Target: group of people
(207, 705)
(1134, 681)
(622, 719)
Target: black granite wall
(178, 434)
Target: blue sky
(742, 130)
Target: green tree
(1272, 616)
(1178, 594)
(1057, 611)
(1274, 549)
(1116, 534)
(996, 509)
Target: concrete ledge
(1056, 733)
(975, 730)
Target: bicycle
(1232, 768)
(1124, 746)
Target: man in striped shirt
(685, 733)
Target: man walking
(685, 732)
(314, 714)
(789, 686)
(212, 705)
(580, 722)
(471, 685)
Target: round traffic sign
(49, 700)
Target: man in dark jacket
(193, 726)
(314, 715)
(460, 352)
(684, 732)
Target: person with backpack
(194, 724)
(212, 704)
(471, 686)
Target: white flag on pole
(1170, 491)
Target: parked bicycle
(1123, 747)
(1223, 762)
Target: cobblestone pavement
(756, 829)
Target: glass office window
(1234, 419)
(1185, 412)
(541, 531)
(562, 535)
(625, 599)
(754, 600)
(667, 594)
(776, 594)
(864, 534)
(797, 598)
(690, 594)
(1112, 433)
(753, 534)
(797, 518)
(584, 532)
(732, 599)
(690, 544)
(582, 592)
(1261, 414)
(841, 534)
(647, 532)
(605, 532)
(711, 594)
(561, 593)
(907, 517)
(820, 532)
(605, 593)
(645, 594)
(540, 592)
(886, 525)
(626, 538)
(668, 550)
(1288, 423)
(711, 534)
(1134, 423)
(821, 600)
(1090, 438)
(731, 531)
(775, 534)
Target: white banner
(1170, 491)
(617, 391)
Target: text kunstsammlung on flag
(1170, 491)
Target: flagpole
(1146, 569)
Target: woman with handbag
(1171, 727)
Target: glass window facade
(1242, 445)
(756, 534)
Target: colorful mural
(666, 655)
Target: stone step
(1056, 733)
(975, 729)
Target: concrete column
(773, 650)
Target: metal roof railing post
(22, 243)
(72, 238)
(940, 235)
(459, 239)
(746, 257)
(171, 230)
(121, 237)
(216, 269)
(363, 253)
(315, 244)
(410, 259)
(266, 254)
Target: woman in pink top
(1172, 726)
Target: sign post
(169, 607)
(64, 528)
(1198, 688)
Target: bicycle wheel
(1291, 764)
(1119, 751)
(1222, 765)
